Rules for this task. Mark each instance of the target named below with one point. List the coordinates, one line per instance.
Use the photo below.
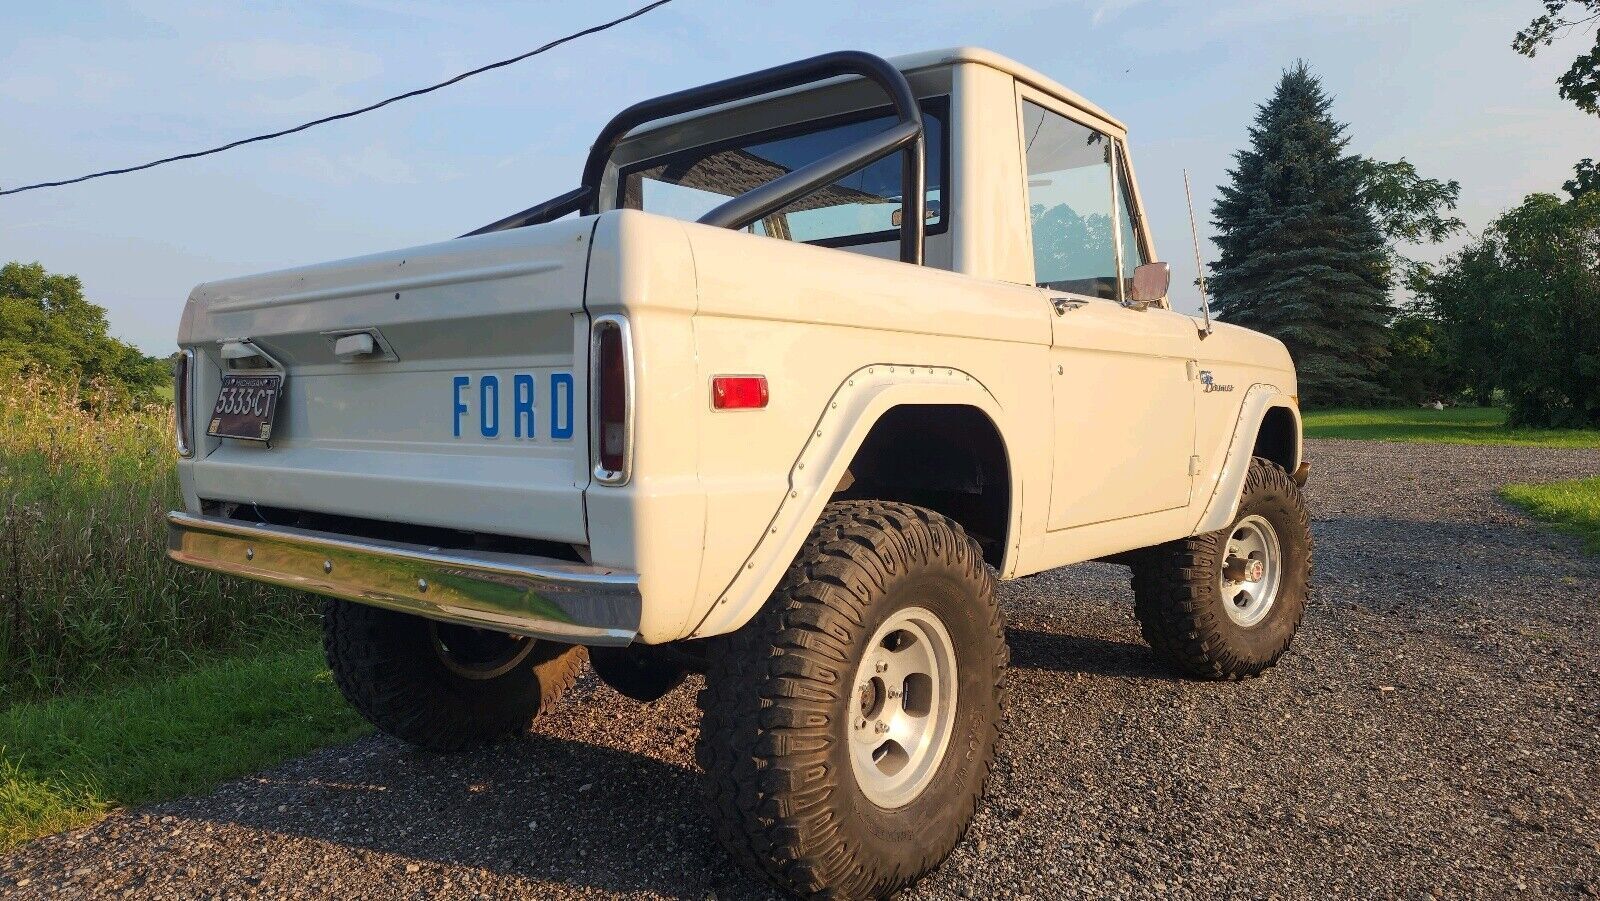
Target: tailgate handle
(358, 345)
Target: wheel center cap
(1245, 569)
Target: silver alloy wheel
(904, 707)
(1252, 569)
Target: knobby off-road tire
(784, 693)
(1206, 623)
(398, 671)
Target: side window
(1132, 253)
(1070, 204)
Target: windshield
(861, 208)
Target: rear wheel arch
(821, 474)
(949, 458)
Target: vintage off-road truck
(810, 358)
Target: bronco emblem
(1210, 383)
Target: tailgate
(469, 412)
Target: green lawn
(66, 761)
(1569, 506)
(1456, 425)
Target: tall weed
(86, 590)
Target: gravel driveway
(1436, 729)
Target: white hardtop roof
(929, 59)
(911, 62)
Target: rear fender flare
(1224, 502)
(842, 426)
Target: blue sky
(88, 85)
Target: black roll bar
(740, 211)
(554, 208)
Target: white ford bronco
(809, 359)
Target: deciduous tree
(1564, 18)
(47, 323)
(1521, 310)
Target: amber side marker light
(739, 392)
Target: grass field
(66, 761)
(1569, 506)
(1456, 425)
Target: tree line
(48, 326)
(1310, 240)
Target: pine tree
(1302, 257)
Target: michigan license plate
(246, 407)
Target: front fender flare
(1224, 503)
(851, 412)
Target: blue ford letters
(519, 404)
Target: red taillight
(180, 401)
(739, 392)
(612, 420)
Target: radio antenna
(1199, 269)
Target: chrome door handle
(1065, 305)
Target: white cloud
(414, 9)
(265, 60)
(1106, 9)
(69, 80)
(28, 88)
(1255, 13)
(379, 164)
(373, 164)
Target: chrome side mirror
(1149, 285)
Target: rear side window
(1070, 204)
(861, 208)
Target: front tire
(438, 686)
(850, 728)
(1227, 604)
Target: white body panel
(1111, 441)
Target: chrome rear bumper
(535, 596)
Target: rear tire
(887, 616)
(1196, 601)
(438, 686)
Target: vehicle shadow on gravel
(543, 809)
(1083, 654)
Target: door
(1124, 411)
(1121, 387)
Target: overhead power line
(351, 113)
